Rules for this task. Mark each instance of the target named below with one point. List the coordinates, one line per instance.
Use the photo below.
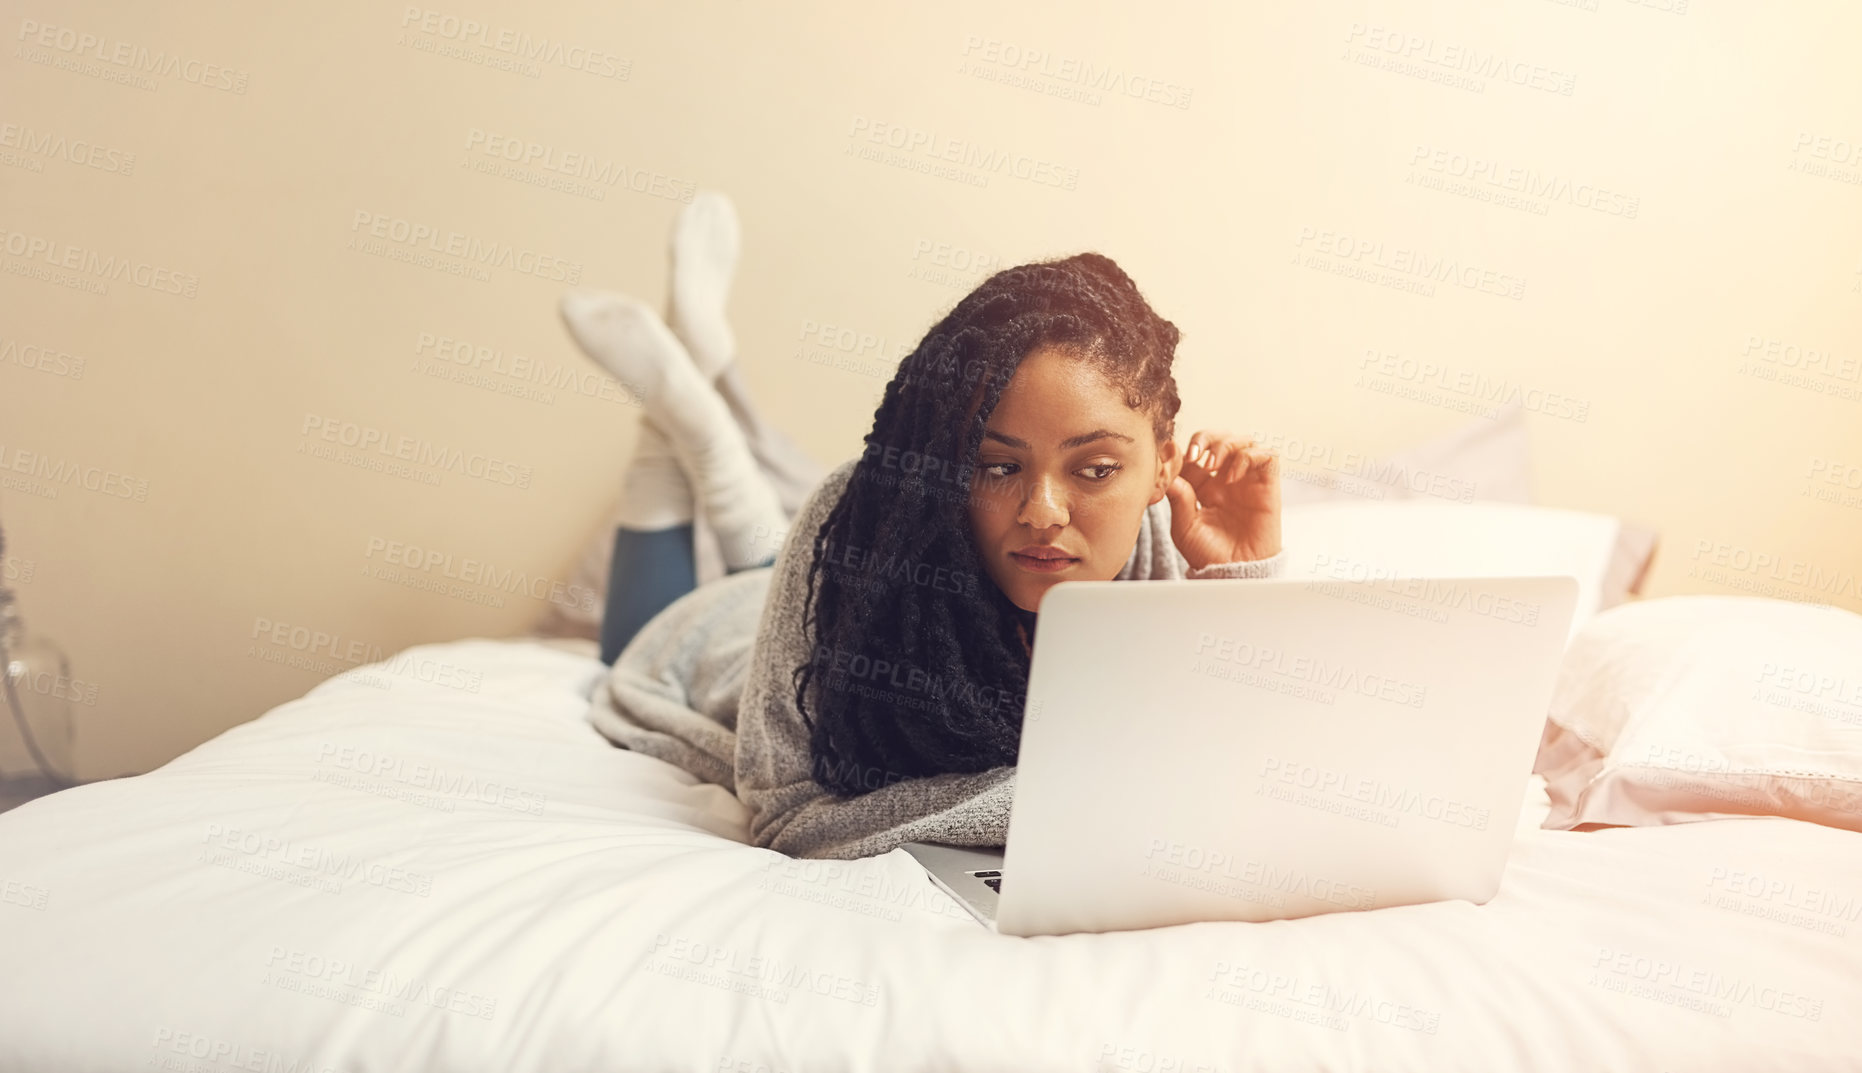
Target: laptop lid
(1260, 749)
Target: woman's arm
(774, 766)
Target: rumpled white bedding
(436, 864)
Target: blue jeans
(649, 571)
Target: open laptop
(1269, 748)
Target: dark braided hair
(918, 667)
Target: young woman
(867, 687)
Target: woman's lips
(1040, 566)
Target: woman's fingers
(1196, 451)
(1225, 459)
(1235, 465)
(1195, 468)
(1206, 456)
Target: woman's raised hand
(1225, 500)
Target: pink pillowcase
(1688, 708)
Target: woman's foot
(630, 341)
(705, 243)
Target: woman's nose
(1044, 503)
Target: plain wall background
(1235, 158)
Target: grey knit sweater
(706, 685)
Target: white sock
(607, 334)
(631, 342)
(791, 469)
(655, 494)
(705, 244)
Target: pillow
(1486, 460)
(1371, 541)
(1688, 708)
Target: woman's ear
(1169, 462)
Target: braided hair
(918, 667)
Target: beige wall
(238, 178)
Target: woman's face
(1067, 469)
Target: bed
(436, 863)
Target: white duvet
(436, 864)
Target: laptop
(1266, 749)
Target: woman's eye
(1000, 471)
